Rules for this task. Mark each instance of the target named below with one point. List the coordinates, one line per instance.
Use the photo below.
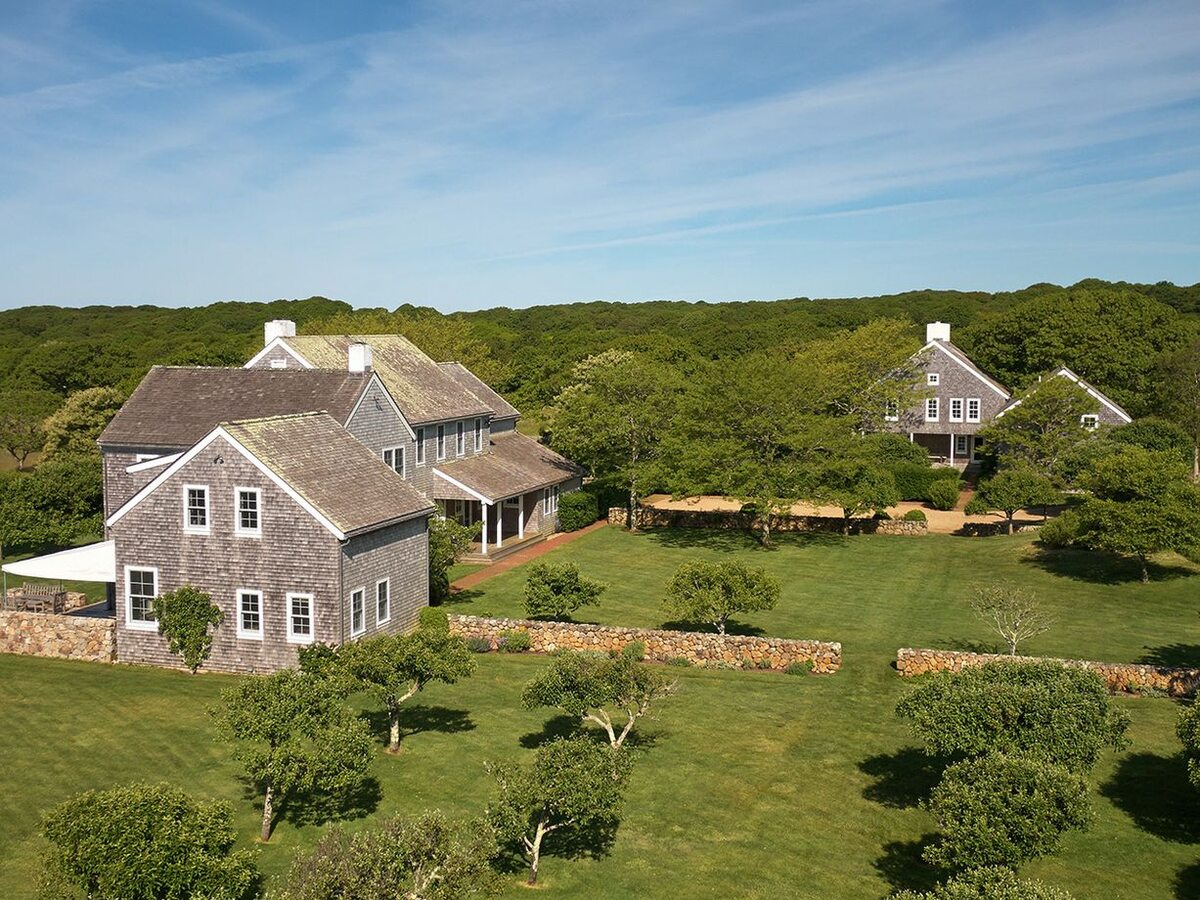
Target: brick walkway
(523, 556)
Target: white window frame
(891, 411)
(441, 442)
(1090, 421)
(386, 583)
(420, 460)
(478, 435)
(237, 512)
(244, 633)
(396, 453)
(554, 505)
(361, 593)
(545, 501)
(933, 409)
(933, 379)
(130, 621)
(978, 406)
(460, 438)
(188, 527)
(959, 402)
(293, 637)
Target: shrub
(1188, 730)
(913, 479)
(915, 515)
(987, 883)
(431, 618)
(448, 541)
(479, 645)
(1004, 810)
(681, 661)
(634, 650)
(607, 495)
(514, 641)
(943, 494)
(1060, 531)
(800, 668)
(577, 510)
(184, 618)
(1043, 710)
(556, 590)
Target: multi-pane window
(933, 378)
(478, 435)
(300, 618)
(1090, 421)
(195, 514)
(383, 601)
(140, 585)
(441, 442)
(248, 514)
(394, 458)
(960, 445)
(932, 409)
(250, 614)
(358, 611)
(956, 409)
(973, 409)
(891, 411)
(420, 446)
(460, 441)
(550, 500)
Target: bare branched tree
(1015, 614)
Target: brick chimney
(278, 328)
(359, 357)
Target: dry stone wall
(698, 648)
(64, 637)
(1177, 682)
(645, 517)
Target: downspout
(341, 591)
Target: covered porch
(502, 525)
(956, 449)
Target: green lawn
(749, 785)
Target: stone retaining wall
(64, 637)
(1177, 682)
(648, 517)
(698, 648)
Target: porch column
(910, 437)
(484, 512)
(952, 448)
(500, 525)
(521, 518)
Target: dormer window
(247, 512)
(933, 379)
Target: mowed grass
(748, 784)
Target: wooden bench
(41, 598)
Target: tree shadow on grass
(565, 726)
(318, 806)
(419, 718)
(729, 540)
(1155, 792)
(902, 779)
(970, 646)
(1187, 882)
(1172, 655)
(904, 868)
(464, 595)
(731, 627)
(1098, 567)
(593, 842)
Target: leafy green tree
(22, 413)
(557, 591)
(575, 784)
(1044, 428)
(1142, 503)
(145, 842)
(1178, 393)
(1188, 729)
(711, 592)
(397, 667)
(1011, 490)
(987, 883)
(855, 483)
(73, 429)
(291, 733)
(1044, 711)
(1152, 433)
(184, 618)
(448, 541)
(610, 692)
(1012, 612)
(56, 504)
(611, 417)
(998, 810)
(424, 857)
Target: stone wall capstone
(698, 648)
(649, 517)
(1177, 682)
(60, 636)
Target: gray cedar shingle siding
(399, 553)
(955, 381)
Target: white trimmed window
(300, 618)
(960, 445)
(550, 500)
(1091, 421)
(956, 409)
(141, 587)
(358, 611)
(247, 512)
(933, 409)
(383, 601)
(250, 614)
(460, 440)
(441, 442)
(195, 508)
(891, 411)
(478, 435)
(420, 446)
(933, 379)
(394, 458)
(972, 409)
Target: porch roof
(93, 562)
(514, 464)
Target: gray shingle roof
(339, 476)
(501, 408)
(175, 406)
(514, 464)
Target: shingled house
(960, 399)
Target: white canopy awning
(94, 562)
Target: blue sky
(464, 155)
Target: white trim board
(278, 342)
(1064, 371)
(970, 368)
(152, 463)
(459, 484)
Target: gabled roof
(515, 464)
(1094, 392)
(423, 390)
(501, 408)
(312, 458)
(175, 406)
(965, 362)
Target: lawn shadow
(722, 540)
(1182, 655)
(1098, 567)
(564, 726)
(418, 718)
(1155, 792)
(572, 842)
(320, 807)
(463, 595)
(1187, 882)
(731, 627)
(902, 779)
(970, 646)
(902, 865)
